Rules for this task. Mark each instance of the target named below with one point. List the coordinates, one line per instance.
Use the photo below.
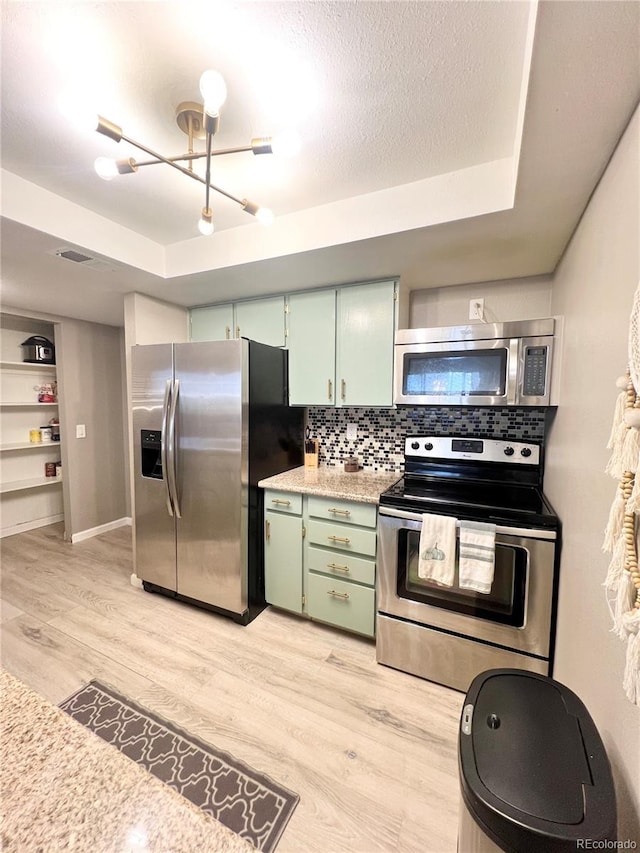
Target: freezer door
(212, 472)
(154, 525)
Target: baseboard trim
(30, 525)
(102, 528)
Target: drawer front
(341, 603)
(341, 537)
(283, 502)
(346, 512)
(344, 566)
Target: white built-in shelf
(33, 483)
(30, 405)
(29, 445)
(25, 365)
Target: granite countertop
(63, 788)
(361, 486)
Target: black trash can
(534, 773)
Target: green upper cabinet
(312, 348)
(258, 319)
(365, 328)
(261, 320)
(214, 323)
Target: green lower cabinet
(283, 561)
(342, 603)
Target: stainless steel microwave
(488, 364)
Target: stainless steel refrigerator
(209, 421)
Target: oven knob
(415, 445)
(526, 451)
(428, 446)
(508, 451)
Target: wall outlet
(352, 432)
(81, 431)
(476, 309)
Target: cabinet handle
(343, 386)
(227, 331)
(338, 568)
(267, 530)
(343, 595)
(340, 511)
(329, 389)
(278, 501)
(338, 539)
(237, 331)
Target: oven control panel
(482, 449)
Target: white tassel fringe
(616, 566)
(618, 415)
(616, 519)
(631, 681)
(630, 450)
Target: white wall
(512, 299)
(593, 287)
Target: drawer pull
(278, 501)
(237, 331)
(329, 389)
(268, 530)
(344, 389)
(343, 595)
(338, 568)
(340, 511)
(338, 539)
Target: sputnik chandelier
(197, 122)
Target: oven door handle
(524, 532)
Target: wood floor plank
(8, 611)
(371, 751)
(55, 665)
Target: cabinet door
(214, 323)
(365, 332)
(261, 320)
(312, 350)
(283, 561)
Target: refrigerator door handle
(164, 440)
(172, 449)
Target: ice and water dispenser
(150, 453)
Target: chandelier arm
(184, 171)
(197, 155)
(207, 176)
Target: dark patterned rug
(248, 802)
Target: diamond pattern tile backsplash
(381, 432)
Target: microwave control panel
(534, 380)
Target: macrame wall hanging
(622, 583)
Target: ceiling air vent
(77, 257)
(70, 255)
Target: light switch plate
(352, 432)
(81, 431)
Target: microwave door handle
(172, 449)
(164, 440)
(514, 379)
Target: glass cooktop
(490, 502)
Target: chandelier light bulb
(265, 216)
(205, 224)
(106, 168)
(213, 90)
(82, 118)
(286, 144)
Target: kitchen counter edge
(359, 486)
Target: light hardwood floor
(370, 751)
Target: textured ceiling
(382, 94)
(405, 110)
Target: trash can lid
(532, 764)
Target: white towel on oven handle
(437, 549)
(477, 558)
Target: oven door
(516, 614)
(464, 373)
